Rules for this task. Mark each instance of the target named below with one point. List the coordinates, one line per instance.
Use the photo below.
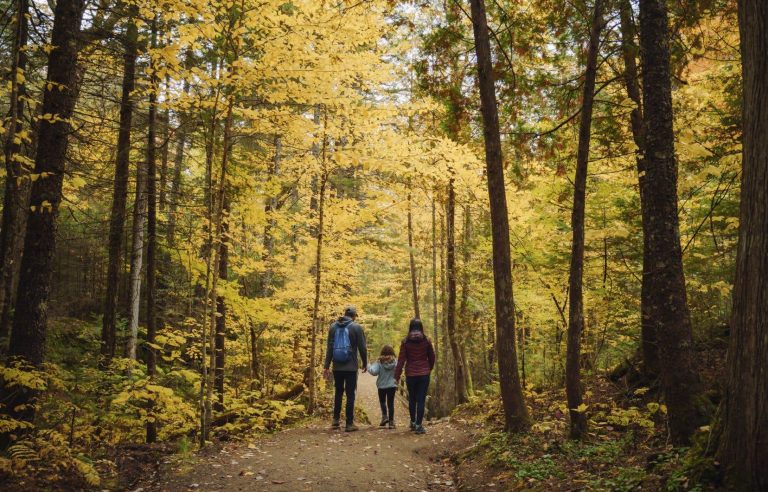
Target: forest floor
(315, 457)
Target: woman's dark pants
(417, 396)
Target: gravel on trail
(316, 457)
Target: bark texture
(120, 194)
(743, 449)
(515, 411)
(649, 347)
(459, 381)
(16, 189)
(27, 341)
(219, 347)
(412, 260)
(152, 235)
(573, 388)
(666, 283)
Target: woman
(418, 357)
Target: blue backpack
(342, 349)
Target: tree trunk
(14, 201)
(152, 233)
(120, 193)
(515, 411)
(450, 317)
(318, 269)
(165, 151)
(137, 260)
(649, 347)
(265, 284)
(216, 251)
(436, 340)
(666, 286)
(221, 316)
(178, 161)
(744, 416)
(27, 343)
(445, 372)
(573, 387)
(316, 304)
(206, 338)
(414, 285)
(465, 322)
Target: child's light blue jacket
(385, 372)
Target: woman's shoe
(413, 426)
(392, 424)
(384, 421)
(420, 429)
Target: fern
(23, 451)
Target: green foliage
(44, 458)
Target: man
(345, 340)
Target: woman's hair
(415, 325)
(387, 350)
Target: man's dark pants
(345, 382)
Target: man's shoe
(392, 424)
(384, 421)
(412, 426)
(335, 424)
(420, 429)
(350, 428)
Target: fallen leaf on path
(278, 482)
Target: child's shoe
(384, 421)
(392, 423)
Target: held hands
(365, 369)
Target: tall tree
(14, 200)
(319, 237)
(27, 342)
(438, 366)
(649, 346)
(515, 411)
(460, 382)
(120, 193)
(744, 416)
(221, 313)
(573, 387)
(136, 259)
(178, 162)
(666, 283)
(412, 259)
(152, 227)
(465, 323)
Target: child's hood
(388, 365)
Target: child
(384, 368)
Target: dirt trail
(316, 457)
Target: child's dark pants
(387, 402)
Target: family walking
(346, 340)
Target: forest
(572, 195)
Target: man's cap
(350, 311)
